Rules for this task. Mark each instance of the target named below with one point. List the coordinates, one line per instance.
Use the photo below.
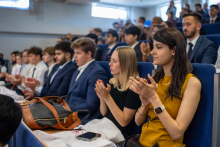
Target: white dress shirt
(133, 46)
(211, 19)
(40, 70)
(16, 69)
(50, 68)
(3, 68)
(26, 71)
(111, 47)
(82, 68)
(39, 89)
(193, 42)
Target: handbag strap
(53, 110)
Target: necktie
(106, 54)
(33, 72)
(190, 49)
(212, 21)
(20, 71)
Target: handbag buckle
(24, 103)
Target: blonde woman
(117, 102)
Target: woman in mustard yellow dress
(171, 96)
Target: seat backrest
(122, 44)
(103, 47)
(199, 132)
(212, 28)
(7, 64)
(143, 68)
(105, 65)
(180, 29)
(214, 38)
(24, 137)
(145, 41)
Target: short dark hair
(19, 54)
(196, 16)
(169, 24)
(14, 52)
(114, 23)
(113, 33)
(86, 44)
(1, 55)
(36, 51)
(215, 6)
(133, 30)
(98, 30)
(198, 5)
(2, 61)
(10, 118)
(92, 36)
(142, 18)
(65, 47)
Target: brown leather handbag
(50, 111)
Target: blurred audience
(98, 32)
(98, 56)
(111, 40)
(141, 20)
(213, 14)
(171, 18)
(59, 40)
(205, 8)
(69, 37)
(131, 38)
(199, 9)
(167, 24)
(182, 13)
(142, 35)
(188, 10)
(172, 9)
(121, 35)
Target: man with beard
(58, 83)
(199, 48)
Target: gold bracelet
(141, 114)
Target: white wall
(56, 20)
(150, 13)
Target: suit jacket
(204, 51)
(216, 20)
(46, 76)
(61, 81)
(109, 54)
(138, 52)
(98, 56)
(82, 94)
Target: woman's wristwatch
(159, 109)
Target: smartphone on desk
(89, 136)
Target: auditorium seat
(103, 47)
(212, 28)
(214, 38)
(143, 68)
(7, 64)
(199, 132)
(23, 137)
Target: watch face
(158, 110)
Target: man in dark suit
(199, 9)
(111, 40)
(213, 15)
(82, 86)
(131, 38)
(199, 48)
(58, 81)
(98, 55)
